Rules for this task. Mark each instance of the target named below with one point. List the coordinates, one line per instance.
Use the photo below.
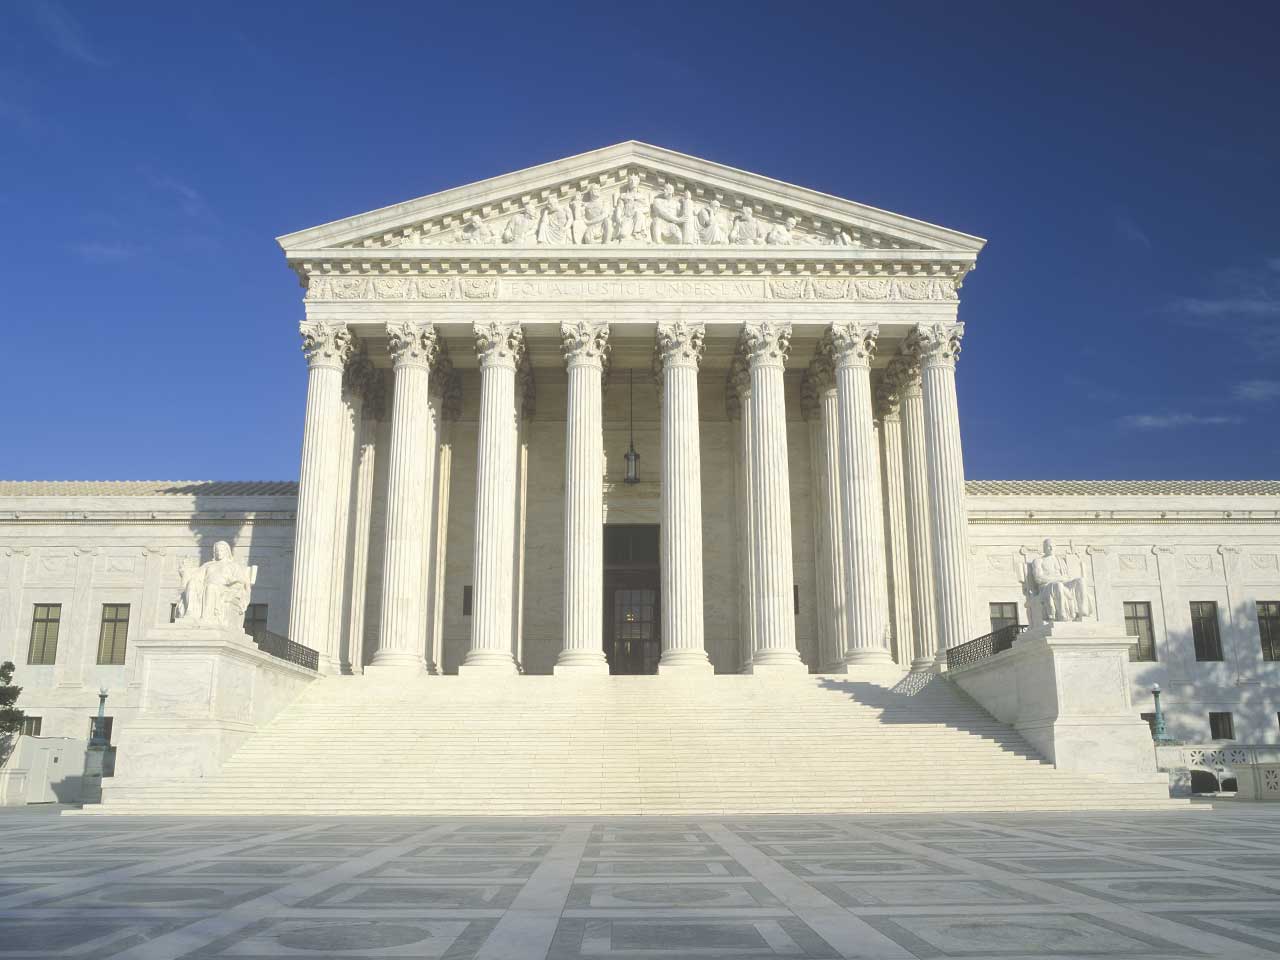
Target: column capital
(412, 344)
(441, 373)
(903, 373)
(935, 344)
(852, 343)
(679, 344)
(584, 344)
(326, 343)
(499, 344)
(359, 375)
(765, 343)
(887, 399)
(810, 398)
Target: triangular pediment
(631, 195)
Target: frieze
(326, 288)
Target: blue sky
(1121, 158)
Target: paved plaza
(1179, 884)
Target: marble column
(893, 485)
(831, 534)
(765, 346)
(441, 374)
(679, 353)
(905, 374)
(739, 406)
(582, 649)
(372, 410)
(327, 347)
(413, 348)
(852, 347)
(937, 345)
(499, 347)
(450, 410)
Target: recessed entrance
(632, 598)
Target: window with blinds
(1204, 630)
(45, 620)
(1269, 628)
(113, 634)
(1137, 624)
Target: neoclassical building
(634, 412)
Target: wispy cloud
(1168, 421)
(64, 31)
(105, 251)
(190, 200)
(1257, 391)
(1128, 230)
(1246, 302)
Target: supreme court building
(633, 412)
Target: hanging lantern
(632, 458)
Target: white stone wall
(86, 551)
(1224, 549)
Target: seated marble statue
(1057, 592)
(216, 593)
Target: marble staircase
(632, 745)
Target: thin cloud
(64, 31)
(1257, 391)
(190, 200)
(1127, 228)
(105, 251)
(1169, 421)
(1247, 303)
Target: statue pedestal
(1063, 687)
(204, 691)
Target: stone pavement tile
(37, 869)
(681, 939)
(136, 894)
(346, 937)
(673, 869)
(1002, 847)
(1228, 861)
(926, 892)
(859, 867)
(1256, 928)
(650, 851)
(241, 867)
(483, 851)
(27, 938)
(413, 867)
(422, 896)
(1164, 889)
(669, 895)
(827, 848)
(624, 835)
(1065, 865)
(998, 935)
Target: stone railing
(1255, 768)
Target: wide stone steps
(632, 745)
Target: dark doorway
(632, 599)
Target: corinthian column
(830, 528)
(853, 345)
(895, 517)
(679, 346)
(765, 346)
(327, 347)
(937, 345)
(904, 372)
(499, 347)
(738, 403)
(584, 347)
(413, 348)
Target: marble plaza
(1158, 885)
(633, 484)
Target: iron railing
(978, 650)
(282, 648)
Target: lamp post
(99, 738)
(1159, 734)
(631, 457)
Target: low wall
(204, 692)
(1063, 687)
(1256, 769)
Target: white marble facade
(476, 360)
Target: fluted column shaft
(766, 346)
(327, 347)
(895, 524)
(362, 504)
(679, 354)
(853, 345)
(924, 616)
(413, 348)
(836, 567)
(583, 644)
(499, 346)
(740, 384)
(938, 346)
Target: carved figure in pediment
(779, 234)
(556, 226)
(630, 223)
(664, 213)
(841, 238)
(710, 228)
(476, 231)
(591, 220)
(746, 228)
(688, 218)
(522, 228)
(216, 593)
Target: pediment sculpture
(215, 594)
(1056, 589)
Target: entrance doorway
(632, 598)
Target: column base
(869, 657)
(396, 667)
(581, 663)
(777, 668)
(685, 661)
(488, 662)
(926, 663)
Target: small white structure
(43, 770)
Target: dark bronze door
(632, 599)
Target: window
(1269, 628)
(173, 613)
(113, 634)
(30, 727)
(106, 727)
(1137, 623)
(255, 619)
(1221, 727)
(45, 619)
(1204, 630)
(1003, 615)
(466, 600)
